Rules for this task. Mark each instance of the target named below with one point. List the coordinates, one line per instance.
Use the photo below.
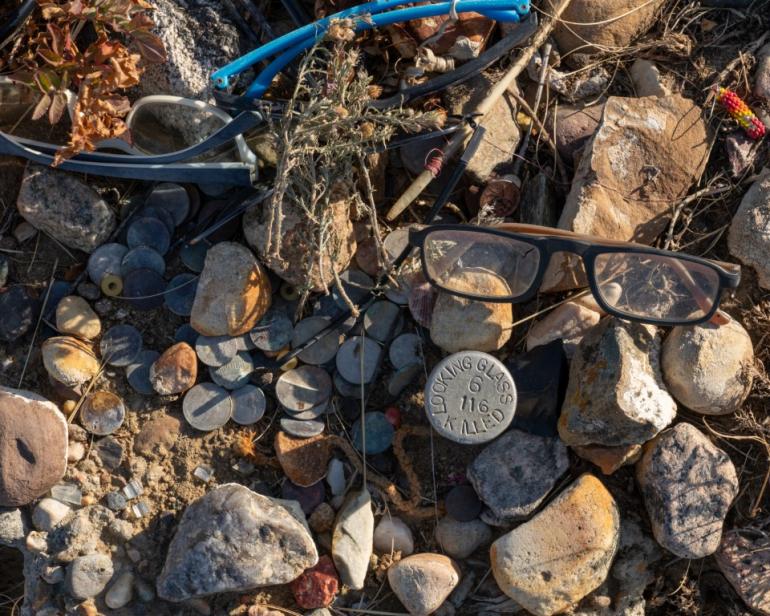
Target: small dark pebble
(309, 498)
(115, 501)
(110, 452)
(463, 504)
(89, 291)
(18, 311)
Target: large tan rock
(637, 17)
(69, 361)
(74, 316)
(643, 158)
(459, 324)
(298, 260)
(423, 581)
(561, 554)
(233, 292)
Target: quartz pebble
(261, 542)
(69, 361)
(48, 513)
(352, 540)
(88, 575)
(121, 591)
(515, 473)
(33, 446)
(175, 371)
(461, 539)
(304, 460)
(233, 294)
(393, 535)
(563, 553)
(687, 485)
(709, 368)
(422, 582)
(74, 316)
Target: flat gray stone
(233, 540)
(688, 485)
(515, 473)
(461, 539)
(88, 575)
(65, 208)
(616, 394)
(353, 539)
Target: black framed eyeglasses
(631, 281)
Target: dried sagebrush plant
(323, 140)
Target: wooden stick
(483, 108)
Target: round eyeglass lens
(481, 264)
(656, 287)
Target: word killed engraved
(470, 397)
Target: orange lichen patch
(561, 554)
(304, 460)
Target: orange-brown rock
(304, 460)
(233, 292)
(175, 371)
(561, 554)
(609, 459)
(69, 361)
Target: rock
(261, 542)
(88, 575)
(81, 533)
(514, 474)
(617, 23)
(75, 452)
(304, 460)
(62, 206)
(121, 592)
(647, 80)
(616, 394)
(748, 238)
(53, 574)
(19, 312)
(4, 270)
(157, 436)
(322, 518)
(688, 485)
(13, 528)
(233, 292)
(740, 152)
(574, 127)
(539, 204)
(422, 582)
(762, 75)
(709, 368)
(609, 459)
(297, 233)
(498, 147)
(175, 371)
(352, 540)
(563, 553)
(451, 315)
(461, 539)
(33, 446)
(744, 559)
(645, 155)
(393, 535)
(568, 322)
(69, 361)
(191, 58)
(632, 569)
(23, 232)
(74, 316)
(48, 513)
(317, 586)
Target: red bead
(393, 415)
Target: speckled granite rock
(260, 542)
(688, 485)
(62, 206)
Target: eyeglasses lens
(482, 264)
(162, 128)
(656, 286)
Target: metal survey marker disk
(235, 373)
(302, 428)
(405, 350)
(273, 332)
(324, 349)
(102, 413)
(107, 259)
(349, 360)
(120, 345)
(142, 257)
(173, 198)
(144, 289)
(149, 232)
(383, 320)
(138, 372)
(207, 407)
(470, 397)
(303, 388)
(216, 351)
(180, 294)
(249, 405)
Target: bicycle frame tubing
(549, 241)
(303, 38)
